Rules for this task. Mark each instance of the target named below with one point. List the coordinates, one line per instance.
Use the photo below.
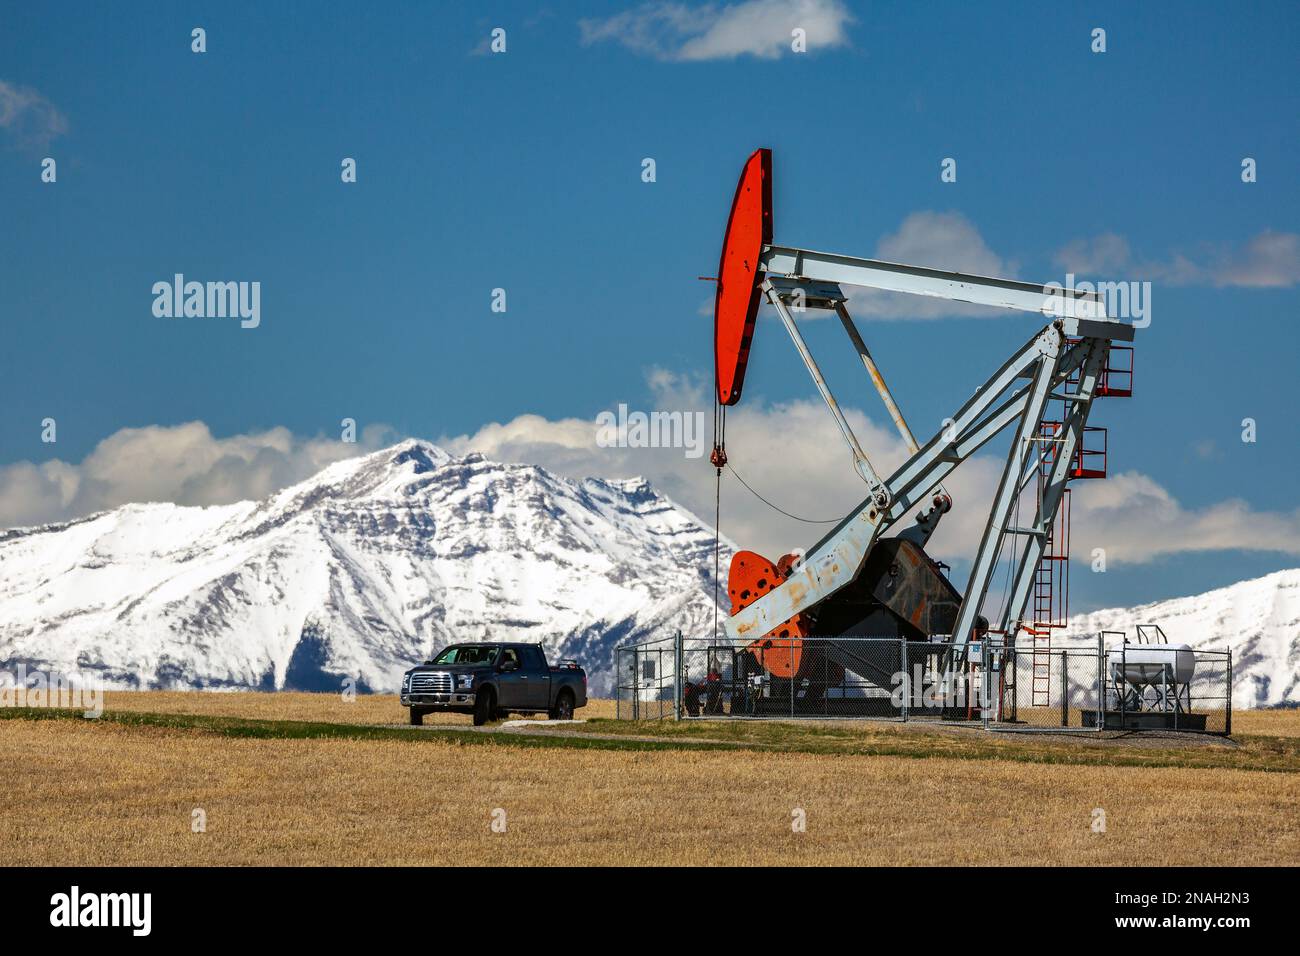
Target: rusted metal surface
(752, 576)
(900, 591)
(817, 577)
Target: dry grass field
(377, 709)
(123, 790)
(1273, 723)
(383, 709)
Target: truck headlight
(464, 681)
(406, 682)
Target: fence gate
(645, 680)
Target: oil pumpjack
(871, 575)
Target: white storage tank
(1142, 664)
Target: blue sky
(522, 171)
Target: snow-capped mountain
(1259, 620)
(358, 572)
(365, 568)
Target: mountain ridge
(356, 572)
(1258, 618)
(364, 568)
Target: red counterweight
(751, 576)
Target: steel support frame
(877, 378)
(835, 560)
(861, 463)
(1044, 369)
(927, 522)
(1054, 490)
(829, 296)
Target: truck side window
(533, 659)
(509, 655)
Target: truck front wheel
(484, 705)
(417, 717)
(563, 709)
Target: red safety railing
(1090, 454)
(1116, 378)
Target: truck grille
(431, 682)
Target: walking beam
(936, 283)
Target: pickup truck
(492, 681)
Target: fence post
(1121, 686)
(1227, 728)
(677, 676)
(1167, 674)
(1065, 689)
(907, 677)
(986, 658)
(1101, 681)
(636, 683)
(1013, 657)
(789, 651)
(659, 681)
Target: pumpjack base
(1145, 720)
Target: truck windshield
(467, 654)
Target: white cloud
(28, 116)
(791, 453)
(1136, 520)
(760, 28)
(794, 456)
(1268, 260)
(184, 464)
(938, 240)
(771, 446)
(1104, 253)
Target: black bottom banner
(339, 905)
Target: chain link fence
(1108, 684)
(882, 678)
(1158, 686)
(644, 683)
(1049, 688)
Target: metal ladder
(1050, 584)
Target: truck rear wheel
(417, 717)
(563, 709)
(484, 706)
